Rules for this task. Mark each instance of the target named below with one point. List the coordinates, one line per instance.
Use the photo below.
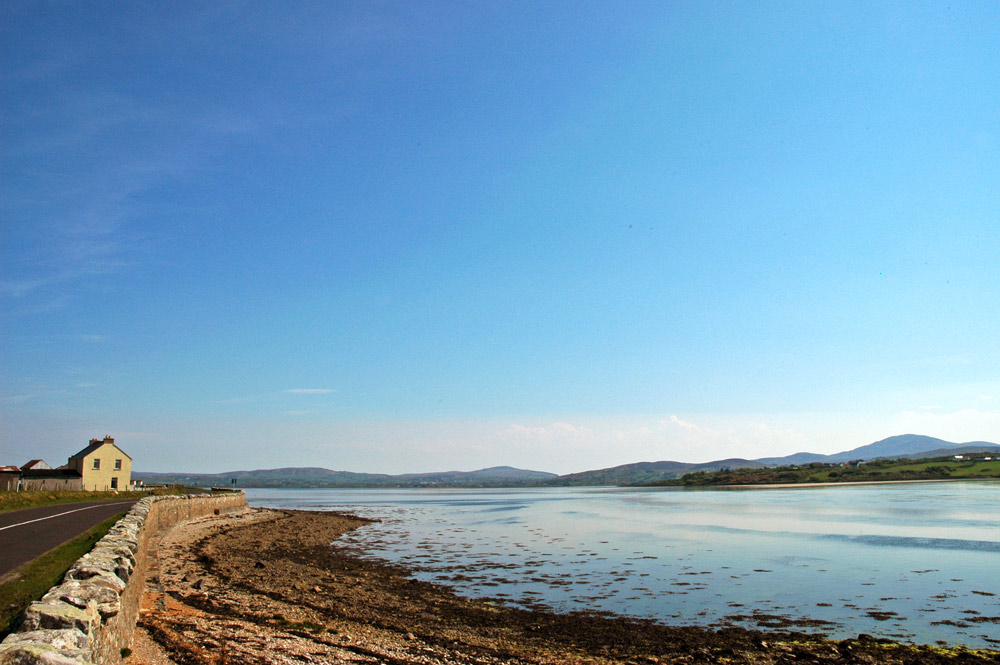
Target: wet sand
(266, 587)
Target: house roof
(9, 469)
(31, 464)
(94, 445)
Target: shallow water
(914, 562)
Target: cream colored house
(103, 466)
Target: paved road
(26, 534)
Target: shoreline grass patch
(10, 501)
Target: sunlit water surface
(914, 562)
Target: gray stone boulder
(122, 547)
(105, 568)
(58, 615)
(107, 559)
(41, 653)
(128, 526)
(81, 594)
(57, 639)
(46, 647)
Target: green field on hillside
(938, 468)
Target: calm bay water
(914, 562)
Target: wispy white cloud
(674, 421)
(686, 440)
(556, 430)
(71, 223)
(539, 446)
(625, 439)
(18, 288)
(559, 444)
(49, 394)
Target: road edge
(89, 618)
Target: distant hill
(894, 446)
(913, 446)
(641, 473)
(318, 477)
(797, 458)
(731, 463)
(959, 449)
(626, 474)
(492, 474)
(974, 466)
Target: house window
(97, 463)
(118, 465)
(114, 483)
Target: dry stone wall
(90, 617)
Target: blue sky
(396, 237)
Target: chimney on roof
(108, 439)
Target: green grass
(34, 579)
(939, 468)
(956, 468)
(20, 500)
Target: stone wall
(90, 617)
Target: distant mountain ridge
(903, 445)
(914, 446)
(640, 473)
(505, 476)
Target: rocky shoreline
(266, 587)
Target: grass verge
(20, 500)
(34, 579)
